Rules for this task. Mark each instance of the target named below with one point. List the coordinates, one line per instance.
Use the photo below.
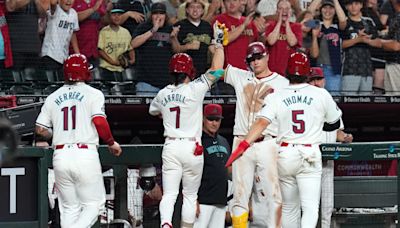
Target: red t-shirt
(279, 52)
(88, 34)
(235, 51)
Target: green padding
(217, 73)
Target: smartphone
(312, 24)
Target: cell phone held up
(312, 24)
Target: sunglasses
(254, 57)
(213, 118)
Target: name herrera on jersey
(297, 99)
(173, 97)
(69, 96)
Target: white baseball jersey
(181, 108)
(69, 111)
(250, 94)
(60, 27)
(301, 111)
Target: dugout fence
(23, 182)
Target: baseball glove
(123, 59)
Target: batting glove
(242, 147)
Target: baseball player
(327, 195)
(251, 88)
(301, 111)
(74, 116)
(181, 106)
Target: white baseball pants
(80, 186)
(180, 163)
(261, 157)
(300, 169)
(327, 194)
(211, 216)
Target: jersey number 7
(298, 124)
(176, 109)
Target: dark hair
(177, 78)
(296, 79)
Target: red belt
(79, 145)
(285, 144)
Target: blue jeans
(143, 88)
(333, 81)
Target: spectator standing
(327, 43)
(327, 194)
(241, 32)
(62, 25)
(152, 40)
(6, 59)
(388, 11)
(212, 199)
(22, 18)
(90, 14)
(114, 40)
(392, 70)
(360, 34)
(194, 35)
(283, 38)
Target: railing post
(121, 193)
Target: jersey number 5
(65, 112)
(176, 109)
(298, 124)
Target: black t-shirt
(214, 182)
(202, 33)
(136, 6)
(357, 59)
(153, 56)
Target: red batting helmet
(298, 64)
(182, 63)
(255, 48)
(77, 68)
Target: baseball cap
(316, 73)
(117, 9)
(327, 2)
(158, 7)
(213, 111)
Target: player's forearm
(218, 58)
(256, 129)
(42, 134)
(103, 129)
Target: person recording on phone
(326, 42)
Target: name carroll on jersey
(173, 97)
(297, 99)
(69, 96)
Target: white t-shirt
(59, 30)
(69, 111)
(301, 111)
(250, 94)
(181, 108)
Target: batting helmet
(182, 63)
(254, 49)
(298, 64)
(77, 68)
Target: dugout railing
(23, 182)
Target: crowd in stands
(356, 42)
